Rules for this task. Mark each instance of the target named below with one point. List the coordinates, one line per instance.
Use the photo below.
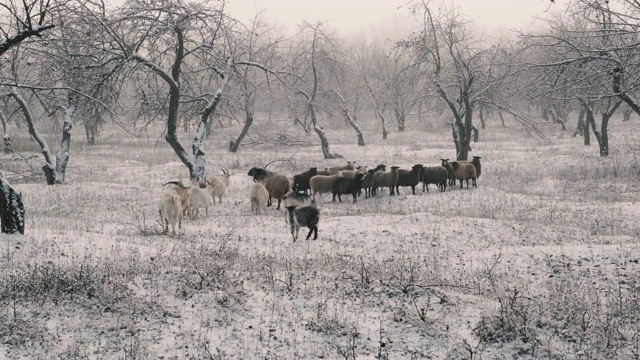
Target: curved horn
(179, 183)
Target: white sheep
(349, 174)
(170, 211)
(321, 184)
(217, 185)
(259, 197)
(350, 166)
(198, 198)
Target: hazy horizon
(355, 16)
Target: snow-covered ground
(541, 259)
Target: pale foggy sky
(352, 16)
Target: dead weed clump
(569, 316)
(54, 282)
(216, 267)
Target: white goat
(259, 197)
(198, 198)
(170, 211)
(217, 185)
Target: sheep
(344, 185)
(170, 211)
(385, 179)
(409, 178)
(182, 192)
(305, 216)
(325, 172)
(465, 171)
(278, 185)
(217, 185)
(476, 163)
(367, 182)
(258, 195)
(381, 167)
(198, 198)
(350, 166)
(293, 198)
(301, 181)
(321, 184)
(434, 175)
(349, 174)
(451, 175)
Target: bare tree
(589, 55)
(368, 62)
(191, 40)
(258, 46)
(60, 72)
(314, 60)
(462, 70)
(402, 82)
(452, 59)
(348, 91)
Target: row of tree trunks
(602, 135)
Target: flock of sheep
(179, 200)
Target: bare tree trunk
(580, 125)
(92, 125)
(185, 124)
(385, 132)
(587, 123)
(350, 120)
(196, 146)
(296, 120)
(481, 115)
(355, 126)
(379, 112)
(465, 143)
(545, 114)
(245, 129)
(401, 117)
(11, 209)
(501, 117)
(602, 136)
(456, 138)
(324, 143)
(6, 139)
(63, 155)
(47, 168)
(476, 133)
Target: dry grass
(541, 261)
